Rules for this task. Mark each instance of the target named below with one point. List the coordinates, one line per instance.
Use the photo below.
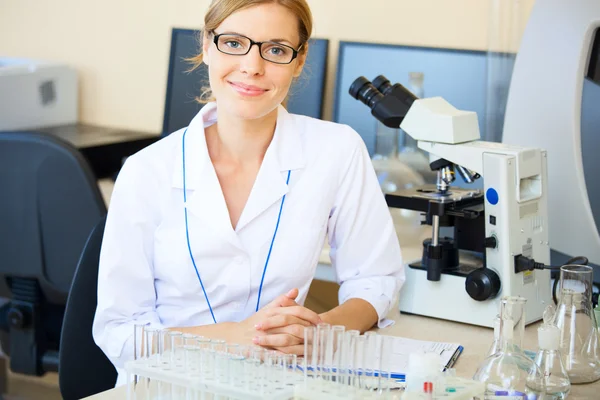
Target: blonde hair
(219, 10)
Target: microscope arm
(468, 155)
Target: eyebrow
(278, 40)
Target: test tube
(232, 351)
(323, 331)
(289, 364)
(310, 353)
(191, 353)
(258, 360)
(237, 363)
(164, 349)
(278, 373)
(139, 355)
(372, 356)
(387, 349)
(152, 340)
(348, 356)
(205, 361)
(359, 355)
(248, 371)
(220, 358)
(138, 342)
(337, 348)
(271, 369)
(176, 349)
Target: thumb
(292, 294)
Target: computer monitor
(183, 87)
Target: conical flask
(497, 344)
(574, 316)
(507, 372)
(555, 384)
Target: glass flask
(496, 345)
(509, 372)
(574, 316)
(555, 384)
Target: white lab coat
(146, 274)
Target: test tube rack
(157, 382)
(149, 381)
(338, 364)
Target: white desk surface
(476, 340)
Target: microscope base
(447, 299)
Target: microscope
(499, 245)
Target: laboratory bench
(476, 340)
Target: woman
(217, 228)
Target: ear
(206, 42)
(301, 61)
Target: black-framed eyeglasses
(239, 45)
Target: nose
(252, 63)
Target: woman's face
(249, 86)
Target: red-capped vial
(428, 387)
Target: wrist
(242, 332)
(326, 318)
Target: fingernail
(255, 340)
(290, 293)
(257, 326)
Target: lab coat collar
(285, 153)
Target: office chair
(84, 370)
(49, 203)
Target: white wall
(121, 47)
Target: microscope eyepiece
(388, 103)
(362, 89)
(382, 84)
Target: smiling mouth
(247, 90)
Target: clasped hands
(280, 324)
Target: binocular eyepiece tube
(362, 89)
(388, 102)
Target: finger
(281, 301)
(294, 330)
(292, 294)
(299, 312)
(296, 349)
(279, 321)
(277, 340)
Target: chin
(250, 108)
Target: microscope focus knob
(491, 242)
(482, 284)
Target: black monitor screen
(183, 87)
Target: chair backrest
(49, 203)
(84, 370)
